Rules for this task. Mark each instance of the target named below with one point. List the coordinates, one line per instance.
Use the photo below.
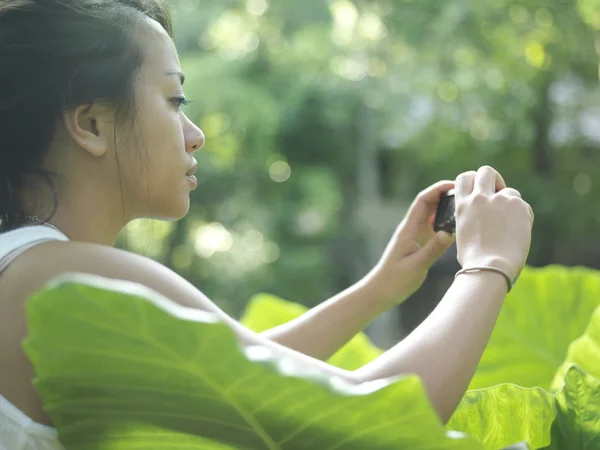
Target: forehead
(160, 54)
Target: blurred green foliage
(323, 119)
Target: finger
(431, 220)
(433, 193)
(425, 203)
(464, 184)
(510, 192)
(488, 181)
(531, 213)
(425, 234)
(433, 249)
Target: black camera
(445, 219)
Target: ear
(91, 127)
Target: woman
(92, 136)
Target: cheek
(160, 122)
(162, 145)
(168, 148)
(168, 131)
(160, 162)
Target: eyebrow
(178, 74)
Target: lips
(192, 170)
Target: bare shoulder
(40, 264)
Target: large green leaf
(120, 367)
(548, 309)
(577, 423)
(584, 352)
(567, 420)
(504, 414)
(266, 311)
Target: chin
(179, 210)
(173, 210)
(160, 201)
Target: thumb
(434, 249)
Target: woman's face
(164, 137)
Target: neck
(82, 227)
(86, 217)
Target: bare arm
(446, 348)
(493, 229)
(324, 329)
(402, 269)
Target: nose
(194, 137)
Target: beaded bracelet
(509, 281)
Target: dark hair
(56, 55)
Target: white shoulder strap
(14, 243)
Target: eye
(180, 101)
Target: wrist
(509, 281)
(373, 288)
(494, 261)
(494, 282)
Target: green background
(323, 119)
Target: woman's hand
(493, 228)
(493, 223)
(412, 250)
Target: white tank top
(18, 431)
